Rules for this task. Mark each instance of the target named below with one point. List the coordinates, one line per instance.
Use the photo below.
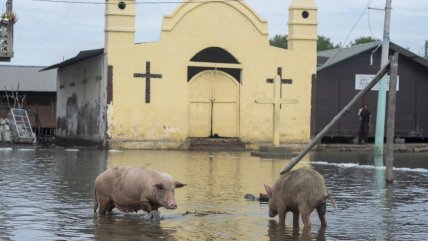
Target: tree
(14, 99)
(363, 40)
(325, 43)
(279, 41)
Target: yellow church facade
(212, 73)
(204, 75)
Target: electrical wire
(47, 37)
(368, 21)
(34, 24)
(358, 21)
(369, 2)
(136, 3)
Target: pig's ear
(269, 190)
(179, 184)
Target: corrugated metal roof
(27, 78)
(82, 55)
(338, 55)
(331, 57)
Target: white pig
(130, 189)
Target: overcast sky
(49, 32)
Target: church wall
(81, 101)
(164, 122)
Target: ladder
(21, 126)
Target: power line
(59, 23)
(368, 21)
(35, 24)
(136, 3)
(369, 2)
(358, 21)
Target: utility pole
(426, 49)
(390, 122)
(381, 102)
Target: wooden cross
(276, 100)
(148, 76)
(283, 81)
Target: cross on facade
(276, 101)
(148, 76)
(283, 81)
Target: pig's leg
(296, 215)
(104, 205)
(95, 200)
(321, 209)
(110, 206)
(305, 213)
(145, 205)
(281, 215)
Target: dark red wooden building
(339, 77)
(28, 88)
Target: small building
(28, 88)
(82, 96)
(342, 73)
(201, 79)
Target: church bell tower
(302, 42)
(119, 35)
(302, 26)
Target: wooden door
(213, 105)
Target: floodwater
(47, 194)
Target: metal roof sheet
(335, 56)
(27, 78)
(82, 55)
(331, 57)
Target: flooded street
(47, 194)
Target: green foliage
(363, 40)
(279, 41)
(325, 43)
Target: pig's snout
(172, 205)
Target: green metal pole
(381, 102)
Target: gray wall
(81, 103)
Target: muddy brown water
(47, 194)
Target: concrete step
(216, 144)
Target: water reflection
(211, 177)
(379, 192)
(130, 227)
(279, 232)
(48, 195)
(388, 215)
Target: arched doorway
(213, 105)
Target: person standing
(365, 123)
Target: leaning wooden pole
(339, 116)
(390, 128)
